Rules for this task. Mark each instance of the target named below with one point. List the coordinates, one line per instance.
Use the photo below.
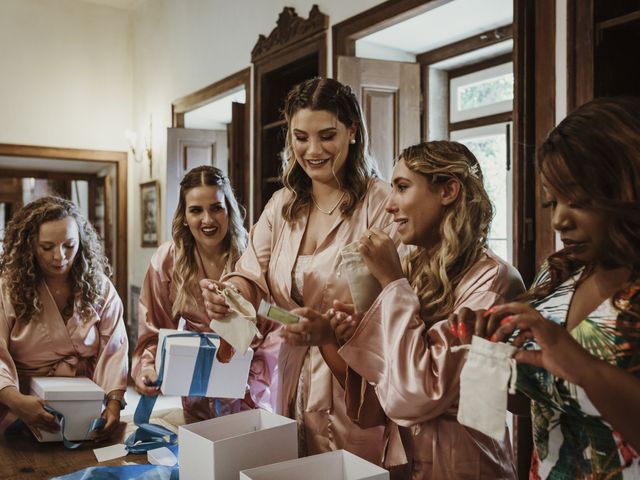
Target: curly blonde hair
(463, 231)
(19, 267)
(327, 94)
(185, 269)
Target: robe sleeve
(154, 312)
(112, 361)
(8, 372)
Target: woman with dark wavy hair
(59, 313)
(208, 238)
(580, 331)
(331, 196)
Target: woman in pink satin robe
(331, 197)
(208, 237)
(401, 345)
(59, 313)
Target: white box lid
(66, 388)
(181, 346)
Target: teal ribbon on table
(150, 435)
(125, 472)
(96, 424)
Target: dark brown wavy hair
(593, 158)
(185, 268)
(20, 270)
(327, 94)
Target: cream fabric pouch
(364, 287)
(239, 327)
(487, 373)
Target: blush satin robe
(417, 378)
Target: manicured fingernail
(488, 312)
(461, 330)
(494, 338)
(454, 331)
(210, 286)
(506, 320)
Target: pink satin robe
(417, 378)
(267, 266)
(95, 346)
(154, 312)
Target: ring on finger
(369, 236)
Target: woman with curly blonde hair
(208, 238)
(401, 345)
(59, 313)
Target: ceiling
(122, 4)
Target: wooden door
(188, 148)
(389, 93)
(239, 170)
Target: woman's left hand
(111, 415)
(381, 256)
(313, 329)
(225, 351)
(560, 354)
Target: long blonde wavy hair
(327, 94)
(463, 231)
(19, 267)
(185, 270)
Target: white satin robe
(266, 266)
(154, 312)
(94, 346)
(417, 378)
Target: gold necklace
(332, 209)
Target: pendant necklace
(332, 209)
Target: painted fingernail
(506, 320)
(454, 331)
(210, 286)
(494, 338)
(489, 312)
(461, 330)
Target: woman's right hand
(214, 303)
(144, 382)
(31, 411)
(344, 320)
(381, 256)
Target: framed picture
(150, 213)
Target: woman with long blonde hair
(59, 313)
(208, 237)
(401, 345)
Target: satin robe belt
(320, 394)
(66, 367)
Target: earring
(184, 223)
(352, 141)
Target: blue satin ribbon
(96, 424)
(125, 472)
(150, 435)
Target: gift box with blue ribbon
(189, 366)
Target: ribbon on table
(96, 424)
(125, 472)
(150, 435)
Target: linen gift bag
(489, 369)
(239, 327)
(363, 286)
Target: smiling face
(417, 206)
(582, 231)
(206, 216)
(320, 143)
(57, 245)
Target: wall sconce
(139, 157)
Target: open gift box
(219, 448)
(338, 465)
(77, 398)
(226, 380)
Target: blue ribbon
(126, 472)
(150, 435)
(96, 424)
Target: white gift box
(77, 398)
(338, 465)
(219, 448)
(227, 380)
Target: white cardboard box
(227, 380)
(219, 448)
(338, 465)
(77, 398)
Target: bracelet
(117, 397)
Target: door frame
(210, 93)
(119, 161)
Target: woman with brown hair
(208, 238)
(59, 313)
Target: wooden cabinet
(294, 51)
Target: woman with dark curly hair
(208, 237)
(579, 332)
(59, 313)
